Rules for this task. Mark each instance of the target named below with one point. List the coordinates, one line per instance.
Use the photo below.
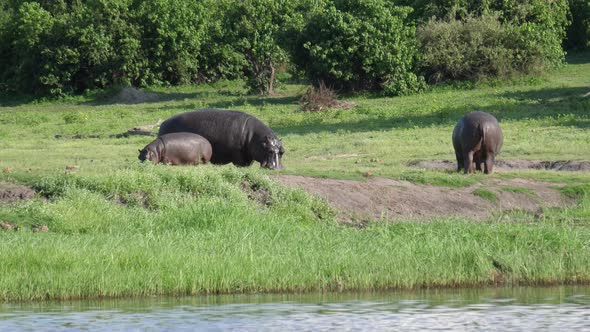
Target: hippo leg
(459, 157)
(468, 162)
(479, 160)
(489, 164)
(240, 160)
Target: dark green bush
(532, 31)
(578, 34)
(57, 47)
(173, 34)
(67, 47)
(245, 38)
(63, 47)
(479, 47)
(359, 45)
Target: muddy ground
(377, 198)
(508, 165)
(10, 192)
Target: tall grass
(154, 230)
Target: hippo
(236, 137)
(177, 149)
(477, 138)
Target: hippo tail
(483, 134)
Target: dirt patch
(395, 199)
(507, 165)
(10, 192)
(145, 130)
(134, 96)
(256, 193)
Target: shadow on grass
(553, 95)
(157, 97)
(578, 57)
(536, 104)
(255, 101)
(7, 100)
(227, 104)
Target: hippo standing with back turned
(477, 138)
(236, 137)
(177, 149)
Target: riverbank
(150, 231)
(114, 228)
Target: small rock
(8, 226)
(40, 228)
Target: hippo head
(148, 154)
(270, 153)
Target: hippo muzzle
(273, 152)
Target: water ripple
(554, 309)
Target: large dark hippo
(236, 137)
(477, 138)
(177, 149)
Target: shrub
(539, 25)
(248, 35)
(321, 98)
(578, 34)
(480, 47)
(174, 32)
(62, 47)
(359, 45)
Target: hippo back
(476, 126)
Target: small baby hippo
(177, 149)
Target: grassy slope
(121, 229)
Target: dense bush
(359, 45)
(578, 34)
(58, 47)
(62, 47)
(524, 37)
(532, 31)
(246, 33)
(469, 49)
(172, 36)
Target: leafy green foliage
(173, 34)
(482, 46)
(65, 47)
(360, 45)
(474, 39)
(250, 30)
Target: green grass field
(118, 228)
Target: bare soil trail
(395, 199)
(508, 165)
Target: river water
(488, 309)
